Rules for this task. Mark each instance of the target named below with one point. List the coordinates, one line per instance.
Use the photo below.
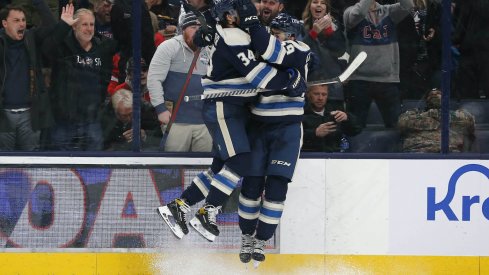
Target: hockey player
(275, 136)
(232, 66)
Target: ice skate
(177, 209)
(258, 254)
(247, 246)
(205, 221)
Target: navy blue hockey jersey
(278, 106)
(233, 66)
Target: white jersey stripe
(269, 220)
(224, 129)
(248, 216)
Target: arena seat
(479, 108)
(376, 140)
(374, 116)
(481, 142)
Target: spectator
(117, 123)
(257, 5)
(324, 125)
(420, 49)
(472, 39)
(202, 6)
(122, 29)
(168, 13)
(371, 27)
(269, 9)
(81, 72)
(23, 97)
(339, 6)
(167, 75)
(421, 130)
(101, 10)
(152, 15)
(129, 77)
(163, 33)
(33, 15)
(325, 37)
(114, 77)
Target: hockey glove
(248, 16)
(204, 37)
(297, 85)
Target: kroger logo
(467, 201)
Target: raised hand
(67, 14)
(248, 15)
(322, 23)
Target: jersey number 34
(246, 58)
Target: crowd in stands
(67, 76)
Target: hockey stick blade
(249, 92)
(345, 75)
(353, 66)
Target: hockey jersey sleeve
(290, 54)
(233, 47)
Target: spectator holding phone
(324, 125)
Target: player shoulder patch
(234, 36)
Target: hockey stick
(339, 79)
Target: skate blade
(165, 213)
(195, 223)
(256, 264)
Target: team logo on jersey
(281, 162)
(250, 18)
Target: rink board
(149, 263)
(342, 216)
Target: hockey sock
(199, 188)
(222, 186)
(216, 165)
(248, 211)
(249, 203)
(201, 184)
(273, 206)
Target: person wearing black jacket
(325, 36)
(325, 126)
(24, 104)
(121, 23)
(117, 123)
(420, 49)
(471, 38)
(81, 71)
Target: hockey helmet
(287, 23)
(221, 8)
